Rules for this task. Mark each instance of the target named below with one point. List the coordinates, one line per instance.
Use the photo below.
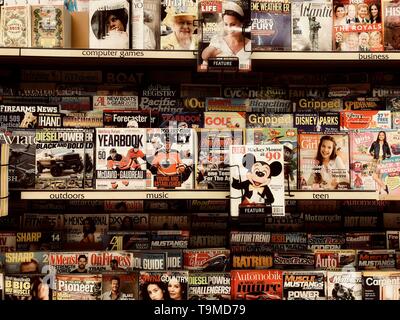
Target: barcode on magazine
(278, 211)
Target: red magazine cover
(256, 284)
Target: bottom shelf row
(184, 285)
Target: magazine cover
(8, 242)
(169, 239)
(224, 120)
(312, 25)
(395, 120)
(171, 157)
(252, 258)
(220, 206)
(357, 26)
(335, 260)
(21, 170)
(379, 285)
(224, 23)
(270, 30)
(203, 239)
(256, 285)
(2, 286)
(274, 105)
(320, 215)
(88, 180)
(127, 119)
(249, 238)
(393, 239)
(269, 119)
(367, 119)
(137, 25)
(174, 259)
(363, 221)
(109, 24)
(127, 240)
(77, 287)
(317, 104)
(317, 122)
(129, 206)
(289, 260)
(60, 158)
(286, 137)
(391, 18)
(51, 26)
(390, 167)
(15, 28)
(153, 260)
(212, 167)
(364, 103)
(39, 241)
(26, 262)
(168, 221)
(101, 103)
(42, 222)
(209, 221)
(68, 262)
(163, 285)
(119, 286)
(391, 220)
(128, 221)
(324, 161)
(181, 120)
(74, 5)
(227, 104)
(82, 119)
(121, 158)
(209, 286)
(369, 169)
(292, 221)
(304, 285)
(13, 222)
(4, 160)
(326, 241)
(151, 25)
(178, 30)
(365, 240)
(207, 260)
(344, 285)
(257, 180)
(164, 98)
(26, 287)
(289, 241)
(29, 116)
(250, 250)
(85, 231)
(376, 259)
(106, 261)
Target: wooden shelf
(123, 195)
(191, 194)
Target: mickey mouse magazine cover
(257, 180)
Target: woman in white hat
(232, 43)
(180, 20)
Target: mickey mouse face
(259, 174)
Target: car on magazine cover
(57, 163)
(216, 263)
(258, 295)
